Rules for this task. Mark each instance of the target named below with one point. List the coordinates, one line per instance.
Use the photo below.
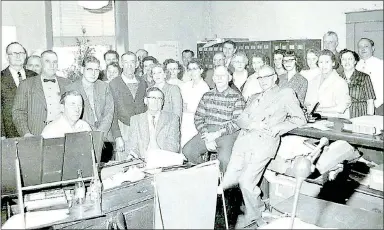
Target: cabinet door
(140, 216)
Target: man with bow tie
(37, 100)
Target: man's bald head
(218, 59)
(267, 77)
(221, 77)
(266, 70)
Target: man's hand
(211, 146)
(119, 144)
(29, 135)
(212, 136)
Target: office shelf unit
(300, 46)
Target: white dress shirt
(61, 126)
(373, 66)
(52, 98)
(15, 75)
(128, 80)
(333, 93)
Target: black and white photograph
(192, 114)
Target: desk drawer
(123, 196)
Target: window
(69, 20)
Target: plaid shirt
(219, 109)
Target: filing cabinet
(300, 46)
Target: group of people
(236, 111)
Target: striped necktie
(20, 77)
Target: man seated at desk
(69, 121)
(154, 129)
(267, 116)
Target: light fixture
(93, 5)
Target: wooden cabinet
(265, 47)
(134, 201)
(368, 24)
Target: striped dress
(360, 90)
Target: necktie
(153, 121)
(19, 76)
(49, 80)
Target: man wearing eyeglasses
(154, 129)
(267, 116)
(37, 100)
(10, 80)
(98, 100)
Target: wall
(260, 20)
(29, 19)
(151, 21)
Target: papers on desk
(284, 223)
(35, 219)
(323, 125)
(363, 123)
(157, 158)
(133, 174)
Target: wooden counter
(369, 141)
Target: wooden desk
(133, 200)
(331, 215)
(368, 141)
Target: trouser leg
(194, 148)
(224, 149)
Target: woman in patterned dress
(359, 84)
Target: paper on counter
(35, 219)
(157, 158)
(322, 125)
(284, 223)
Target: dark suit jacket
(167, 132)
(103, 103)
(30, 108)
(125, 105)
(8, 92)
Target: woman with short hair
(359, 84)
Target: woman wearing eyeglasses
(329, 89)
(172, 97)
(293, 79)
(192, 91)
(360, 85)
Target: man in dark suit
(37, 100)
(10, 80)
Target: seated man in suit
(10, 80)
(267, 116)
(154, 129)
(215, 121)
(69, 121)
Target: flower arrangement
(73, 73)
